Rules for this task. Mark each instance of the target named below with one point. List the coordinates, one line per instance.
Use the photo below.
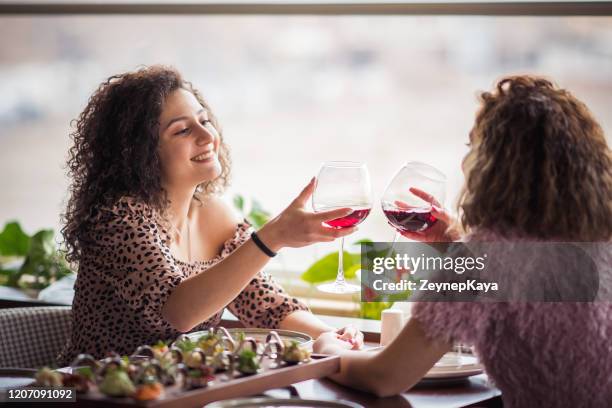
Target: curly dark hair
(541, 165)
(115, 151)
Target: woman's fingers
(327, 342)
(351, 335)
(332, 214)
(310, 227)
(436, 209)
(414, 236)
(349, 330)
(440, 214)
(401, 204)
(425, 196)
(305, 194)
(335, 232)
(358, 340)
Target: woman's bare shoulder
(215, 211)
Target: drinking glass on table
(343, 184)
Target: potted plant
(30, 263)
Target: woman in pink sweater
(539, 169)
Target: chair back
(32, 337)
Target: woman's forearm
(305, 322)
(394, 369)
(359, 370)
(198, 298)
(201, 296)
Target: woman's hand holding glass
(297, 227)
(442, 231)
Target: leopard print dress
(127, 273)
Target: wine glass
(407, 203)
(343, 184)
(409, 210)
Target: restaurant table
(475, 391)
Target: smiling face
(188, 142)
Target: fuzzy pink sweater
(539, 354)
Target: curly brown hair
(115, 150)
(540, 166)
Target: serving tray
(222, 387)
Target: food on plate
(294, 353)
(191, 364)
(247, 362)
(197, 377)
(46, 377)
(80, 380)
(117, 383)
(194, 358)
(159, 349)
(150, 389)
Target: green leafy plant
(325, 269)
(252, 211)
(373, 310)
(42, 263)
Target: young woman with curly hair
(158, 252)
(539, 170)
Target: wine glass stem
(340, 275)
(395, 238)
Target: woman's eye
(182, 132)
(205, 122)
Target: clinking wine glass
(342, 184)
(410, 212)
(408, 200)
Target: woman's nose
(204, 135)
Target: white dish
(450, 367)
(453, 366)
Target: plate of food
(260, 335)
(191, 371)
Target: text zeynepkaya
(410, 264)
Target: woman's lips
(204, 157)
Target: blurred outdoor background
(291, 92)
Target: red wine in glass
(342, 184)
(410, 219)
(350, 220)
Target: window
(291, 91)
